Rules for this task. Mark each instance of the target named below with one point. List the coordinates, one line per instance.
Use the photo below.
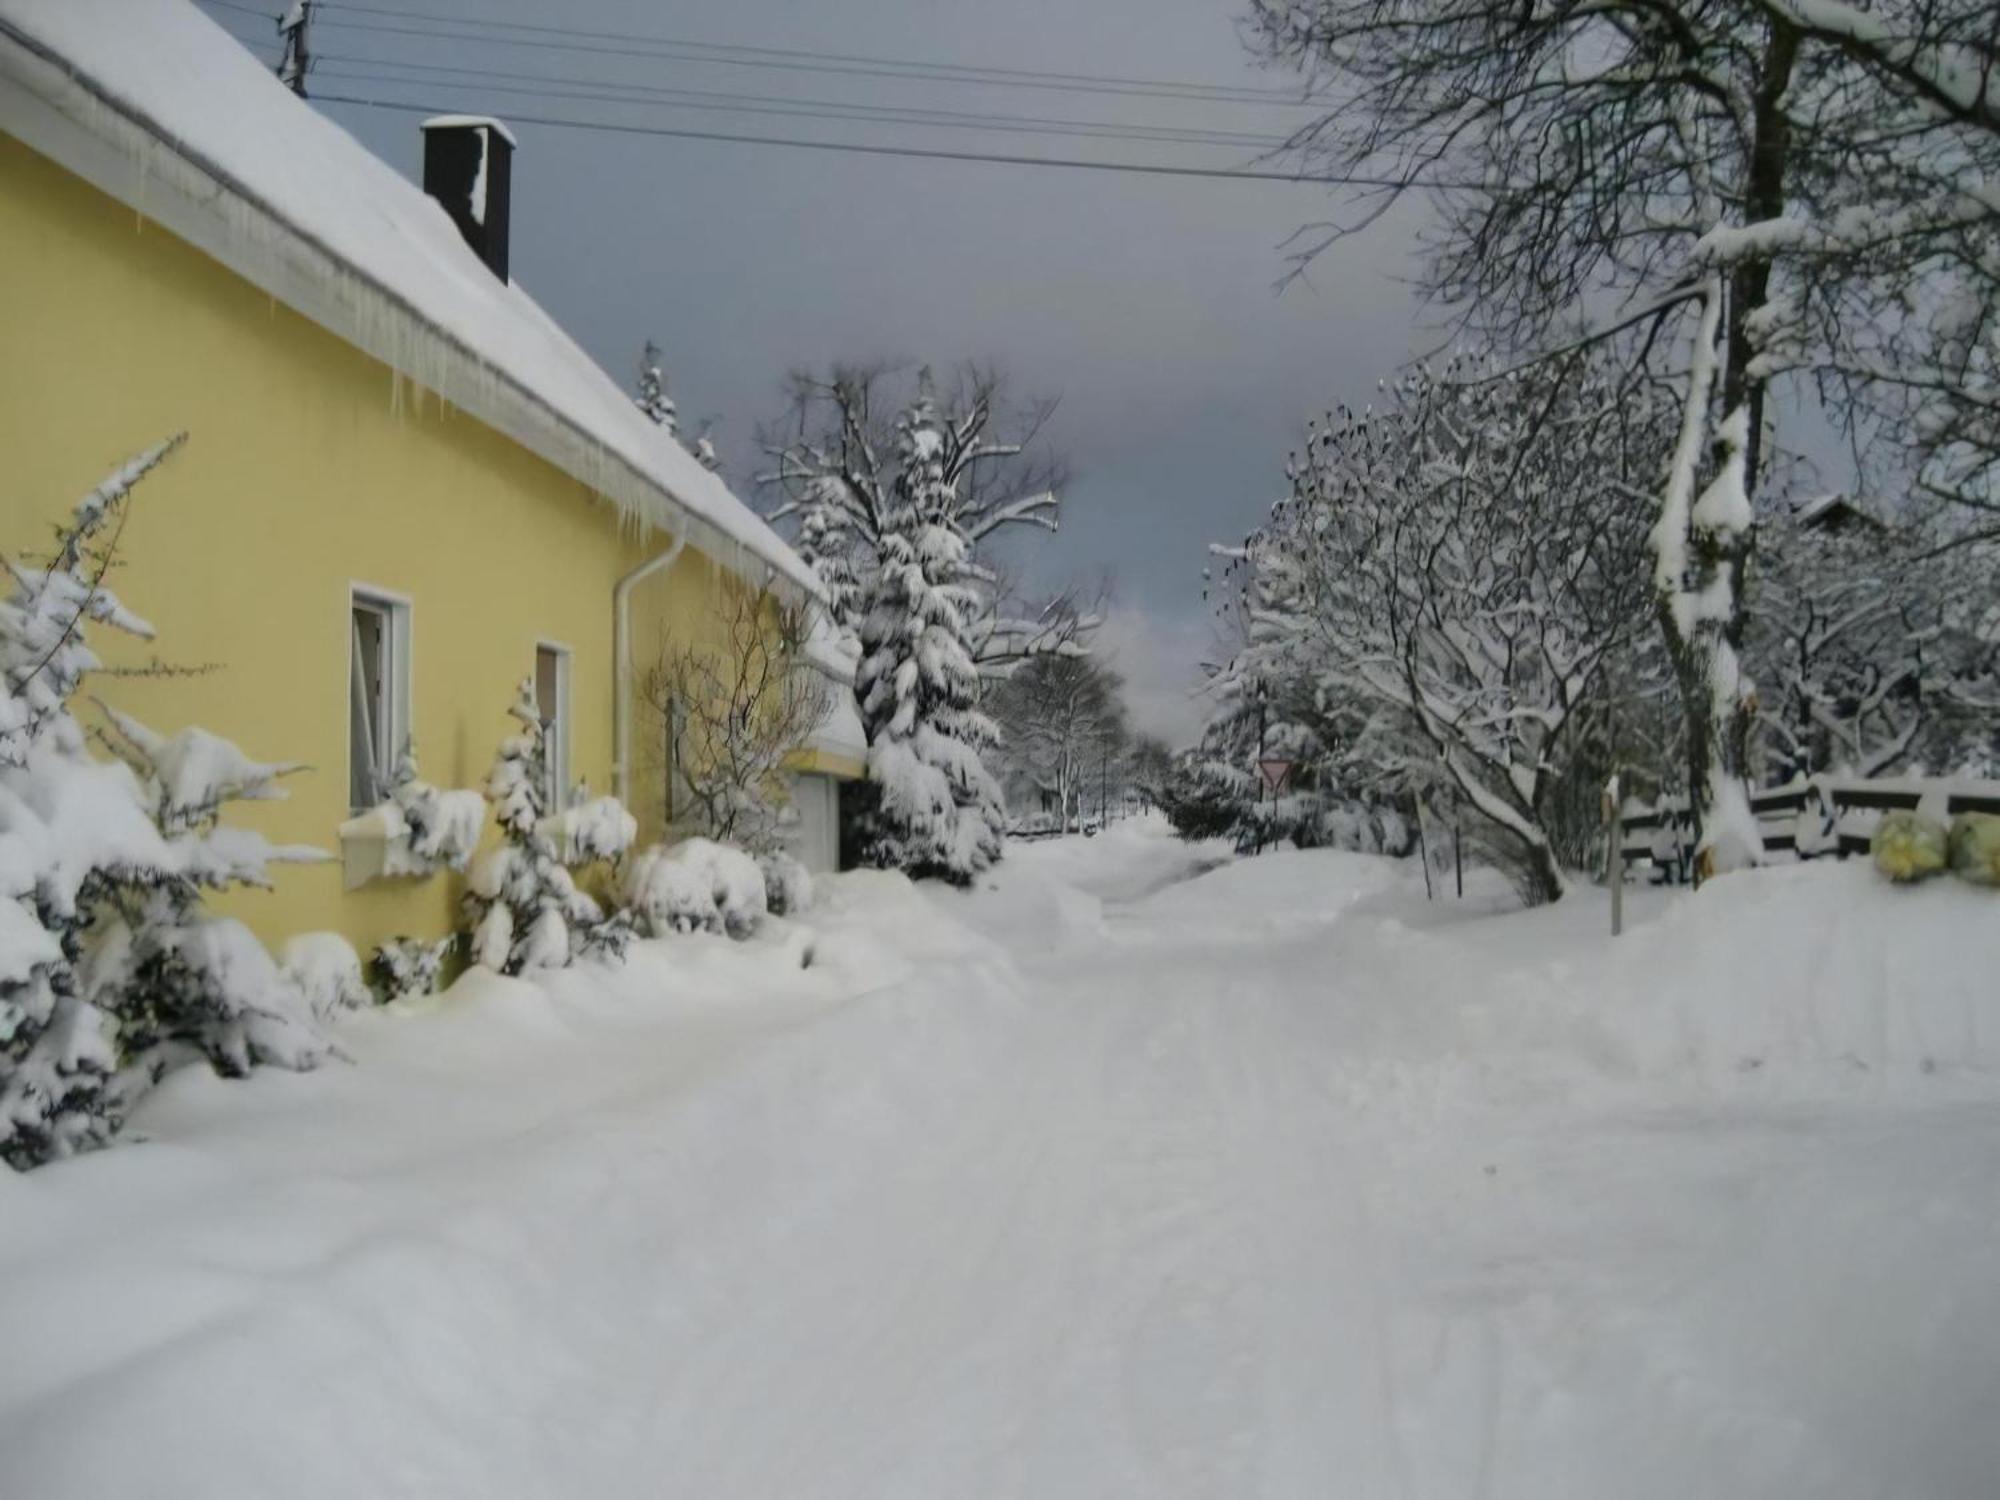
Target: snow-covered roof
(157, 105)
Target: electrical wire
(359, 70)
(949, 71)
(639, 46)
(1148, 169)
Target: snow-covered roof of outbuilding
(157, 105)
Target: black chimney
(469, 168)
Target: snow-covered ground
(1135, 1172)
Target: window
(378, 695)
(552, 701)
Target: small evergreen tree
(653, 399)
(523, 907)
(111, 972)
(937, 809)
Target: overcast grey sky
(1147, 305)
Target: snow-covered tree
(1443, 588)
(523, 907)
(1772, 189)
(653, 399)
(936, 810)
(738, 704)
(111, 970)
(1063, 727)
(1870, 644)
(836, 470)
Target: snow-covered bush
(111, 970)
(523, 908)
(788, 885)
(600, 829)
(739, 703)
(408, 968)
(1974, 847)
(423, 829)
(1908, 846)
(696, 885)
(327, 971)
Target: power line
(620, 44)
(615, 92)
(1234, 92)
(1146, 169)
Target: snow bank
(1820, 968)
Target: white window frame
(556, 744)
(397, 638)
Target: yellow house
(404, 489)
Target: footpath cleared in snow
(1135, 1173)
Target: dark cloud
(1147, 305)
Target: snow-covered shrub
(600, 829)
(1975, 847)
(523, 907)
(696, 885)
(327, 971)
(408, 968)
(607, 942)
(111, 970)
(788, 886)
(740, 702)
(1908, 846)
(423, 829)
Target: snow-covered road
(1128, 1176)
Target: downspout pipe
(621, 652)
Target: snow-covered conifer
(523, 907)
(653, 399)
(938, 810)
(407, 968)
(111, 970)
(836, 468)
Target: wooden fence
(1807, 818)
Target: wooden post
(1423, 849)
(1614, 820)
(1457, 856)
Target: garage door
(816, 836)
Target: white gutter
(621, 654)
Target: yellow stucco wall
(300, 477)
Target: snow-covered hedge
(696, 885)
(112, 971)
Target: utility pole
(1263, 706)
(294, 26)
